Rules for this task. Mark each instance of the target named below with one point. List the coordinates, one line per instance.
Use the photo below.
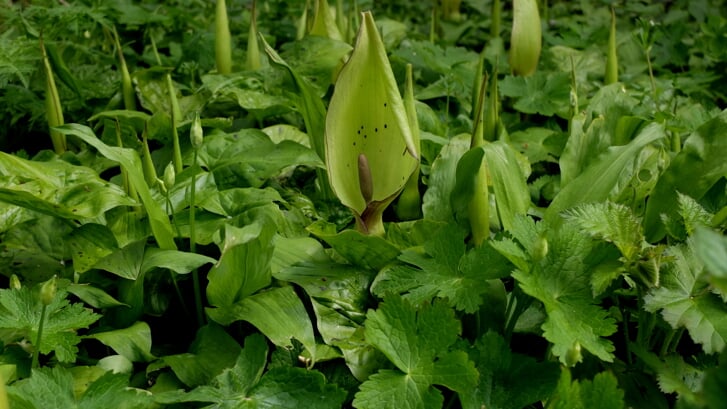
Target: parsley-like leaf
(418, 343)
(20, 313)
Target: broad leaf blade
(597, 181)
(130, 161)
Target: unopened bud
(170, 176)
(48, 291)
(196, 134)
(15, 282)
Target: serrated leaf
(561, 282)
(507, 380)
(600, 393)
(541, 93)
(444, 271)
(612, 222)
(685, 301)
(20, 311)
(52, 388)
(418, 343)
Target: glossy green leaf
(442, 180)
(246, 386)
(244, 266)
(93, 296)
(278, 313)
(133, 343)
(58, 188)
(509, 183)
(692, 172)
(90, 243)
(598, 180)
(212, 351)
(130, 161)
(370, 252)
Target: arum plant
(370, 148)
(324, 24)
(526, 37)
(611, 57)
(127, 88)
(223, 40)
(54, 112)
(253, 62)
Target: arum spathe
(526, 37)
(370, 149)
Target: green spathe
(370, 151)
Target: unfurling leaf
(370, 148)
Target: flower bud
(526, 38)
(170, 176)
(15, 282)
(48, 291)
(196, 134)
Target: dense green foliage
(187, 250)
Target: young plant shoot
(370, 149)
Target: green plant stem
(651, 77)
(36, 349)
(193, 248)
(518, 303)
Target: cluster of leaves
(602, 284)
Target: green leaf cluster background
(602, 282)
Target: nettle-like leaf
(53, 388)
(507, 380)
(418, 342)
(246, 386)
(370, 152)
(444, 270)
(612, 222)
(541, 93)
(561, 281)
(685, 300)
(20, 314)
